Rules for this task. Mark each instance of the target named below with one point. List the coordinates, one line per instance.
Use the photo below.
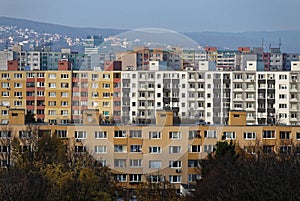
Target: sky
(176, 15)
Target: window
(135, 178)
(106, 85)
(95, 76)
(285, 149)
(64, 85)
(193, 163)
(52, 85)
(95, 85)
(175, 164)
(249, 135)
(135, 134)
(5, 75)
(154, 135)
(100, 134)
(194, 134)
(5, 85)
(4, 149)
(5, 134)
(100, 149)
(120, 148)
(135, 148)
(52, 76)
(40, 84)
(5, 94)
(17, 85)
(24, 134)
(121, 177)
(64, 76)
(175, 135)
(80, 134)
(64, 94)
(51, 112)
(269, 134)
(174, 149)
(64, 112)
(40, 75)
(268, 149)
(29, 75)
(155, 150)
(4, 112)
(194, 148)
(64, 103)
(18, 103)
(95, 94)
(40, 93)
(155, 164)
(229, 135)
(61, 133)
(210, 134)
(250, 149)
(208, 148)
(106, 95)
(18, 75)
(282, 105)
(120, 134)
(51, 103)
(284, 135)
(106, 76)
(52, 94)
(175, 179)
(135, 163)
(120, 163)
(193, 177)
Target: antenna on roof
(280, 42)
(262, 42)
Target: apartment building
(268, 97)
(58, 97)
(161, 151)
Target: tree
(231, 176)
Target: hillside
(225, 40)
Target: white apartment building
(267, 97)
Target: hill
(224, 40)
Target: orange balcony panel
(75, 79)
(117, 98)
(117, 89)
(84, 80)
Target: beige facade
(139, 153)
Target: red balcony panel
(84, 98)
(76, 108)
(30, 80)
(117, 80)
(84, 80)
(40, 79)
(117, 98)
(40, 98)
(40, 107)
(117, 108)
(30, 98)
(40, 116)
(117, 89)
(75, 79)
(30, 89)
(30, 107)
(84, 89)
(75, 89)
